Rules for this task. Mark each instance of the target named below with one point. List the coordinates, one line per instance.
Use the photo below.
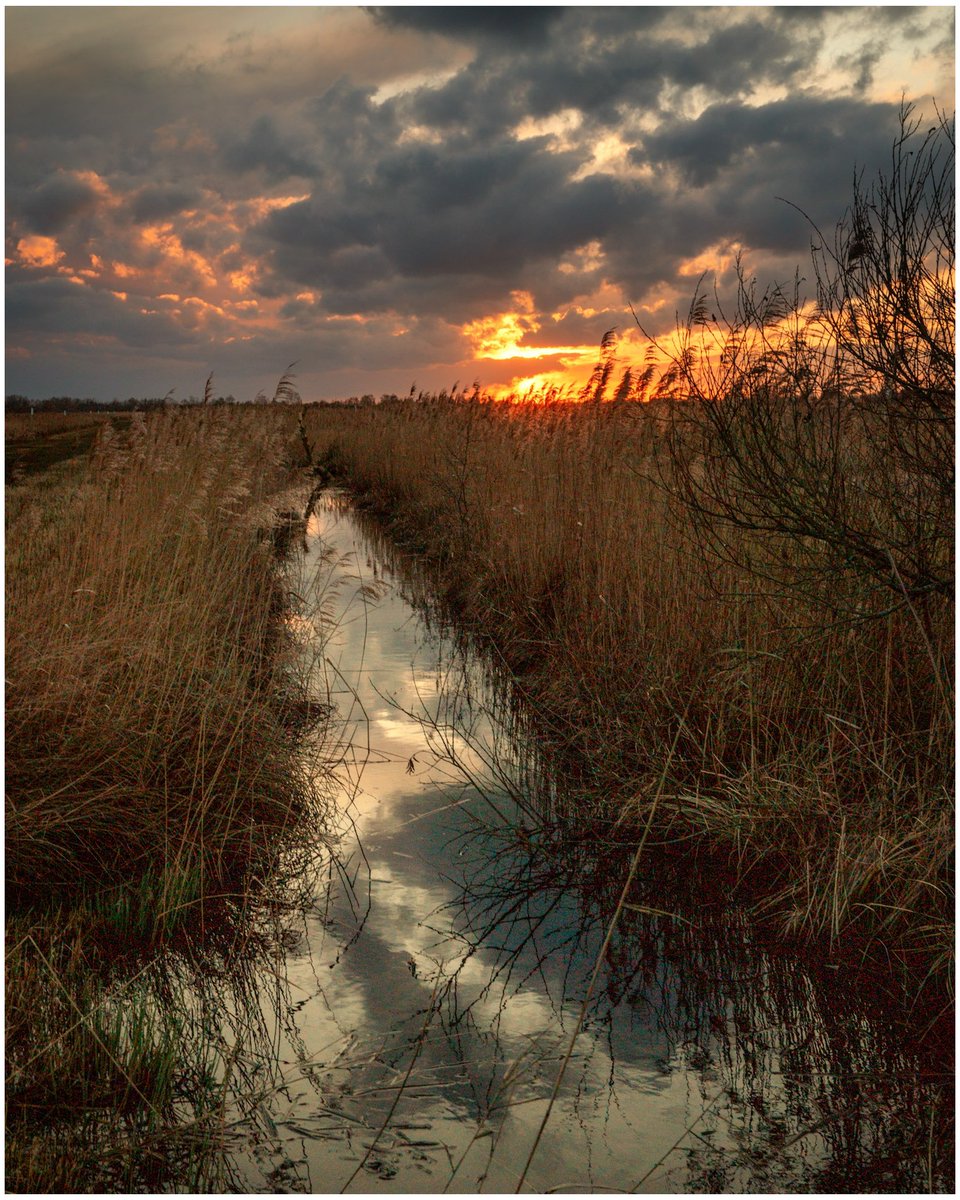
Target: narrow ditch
(427, 999)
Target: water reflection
(413, 1031)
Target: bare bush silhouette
(827, 427)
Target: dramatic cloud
(504, 25)
(435, 193)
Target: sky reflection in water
(438, 979)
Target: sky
(395, 197)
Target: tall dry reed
(150, 772)
(141, 614)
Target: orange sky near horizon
(223, 302)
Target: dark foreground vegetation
(731, 606)
(151, 778)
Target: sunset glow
(534, 387)
(407, 200)
(498, 338)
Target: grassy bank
(150, 776)
(34, 442)
(807, 731)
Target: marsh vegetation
(474, 1002)
(716, 591)
(151, 773)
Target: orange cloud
(717, 258)
(163, 238)
(499, 338)
(203, 307)
(564, 369)
(36, 251)
(360, 319)
(241, 281)
(261, 206)
(585, 258)
(95, 181)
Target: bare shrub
(827, 427)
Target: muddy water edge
(450, 1010)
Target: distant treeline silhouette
(70, 404)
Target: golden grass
(148, 760)
(149, 765)
(49, 424)
(139, 607)
(34, 442)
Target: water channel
(428, 997)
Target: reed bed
(812, 727)
(151, 773)
(141, 612)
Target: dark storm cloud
(351, 130)
(490, 211)
(468, 23)
(264, 147)
(156, 203)
(456, 213)
(508, 211)
(54, 204)
(608, 59)
(58, 306)
(37, 304)
(79, 93)
(820, 136)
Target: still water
(444, 983)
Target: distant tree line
(368, 399)
(23, 404)
(16, 403)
